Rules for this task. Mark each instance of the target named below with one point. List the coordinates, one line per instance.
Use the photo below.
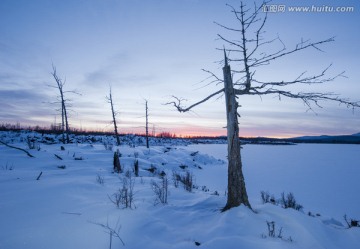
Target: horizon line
(38, 128)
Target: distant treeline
(345, 139)
(54, 129)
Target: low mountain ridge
(353, 139)
(326, 139)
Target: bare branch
(307, 97)
(74, 92)
(299, 47)
(301, 79)
(217, 79)
(178, 101)
(113, 232)
(231, 42)
(17, 148)
(231, 29)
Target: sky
(157, 49)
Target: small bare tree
(112, 231)
(114, 113)
(161, 190)
(147, 123)
(252, 54)
(64, 115)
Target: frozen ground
(61, 209)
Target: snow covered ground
(68, 206)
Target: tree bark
(237, 194)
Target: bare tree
(147, 123)
(110, 101)
(252, 54)
(112, 231)
(64, 114)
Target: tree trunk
(114, 119)
(147, 125)
(66, 124)
(62, 122)
(116, 162)
(62, 111)
(237, 194)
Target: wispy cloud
(24, 105)
(107, 72)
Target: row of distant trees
(56, 128)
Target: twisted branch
(180, 108)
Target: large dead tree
(114, 113)
(250, 52)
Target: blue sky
(154, 49)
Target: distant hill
(340, 139)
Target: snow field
(59, 210)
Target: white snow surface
(61, 209)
